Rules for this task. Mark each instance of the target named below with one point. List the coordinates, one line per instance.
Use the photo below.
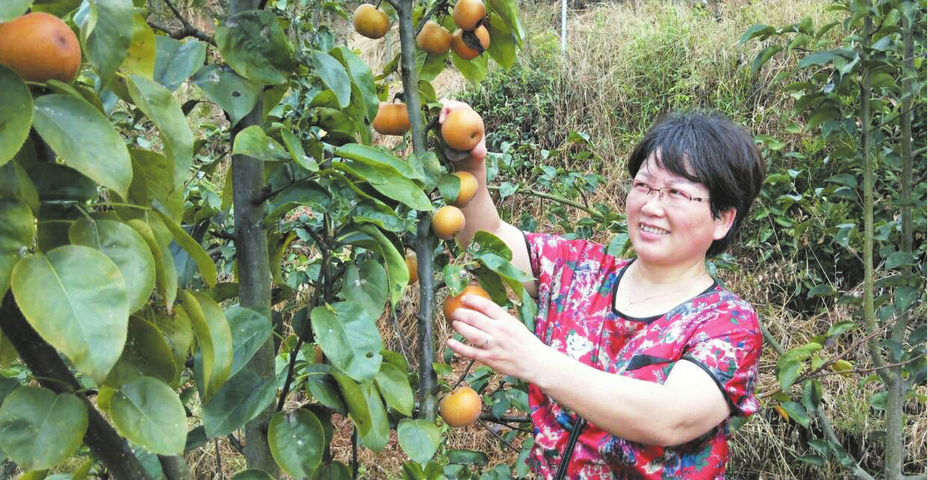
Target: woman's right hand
(475, 156)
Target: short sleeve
(728, 349)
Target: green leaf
(232, 92)
(140, 58)
(485, 241)
(468, 457)
(389, 182)
(818, 59)
(178, 333)
(503, 47)
(17, 230)
(845, 179)
(253, 142)
(176, 61)
(361, 77)
(379, 434)
(193, 248)
(332, 471)
(213, 338)
(811, 394)
(297, 440)
(10, 9)
(419, 439)
(158, 104)
(841, 327)
(297, 153)
(905, 297)
(41, 429)
(106, 33)
(333, 75)
(126, 248)
(473, 70)
(252, 474)
(16, 114)
(349, 339)
(149, 413)
(322, 387)
(376, 212)
(85, 140)
(366, 285)
(75, 298)
(376, 157)
(508, 273)
(755, 31)
(394, 388)
(797, 412)
(358, 410)
(812, 460)
(256, 47)
(900, 259)
(165, 275)
(508, 11)
(241, 399)
(250, 330)
(789, 371)
(16, 184)
(765, 55)
(146, 354)
(371, 238)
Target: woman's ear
(723, 223)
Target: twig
(830, 433)
(323, 272)
(864, 371)
(183, 32)
(498, 437)
(548, 196)
(815, 373)
(218, 460)
(427, 16)
(187, 30)
(464, 374)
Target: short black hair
(707, 148)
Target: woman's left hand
(496, 338)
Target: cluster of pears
(469, 40)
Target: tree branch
(187, 29)
(52, 373)
(547, 196)
(184, 32)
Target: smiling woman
(636, 366)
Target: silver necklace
(628, 296)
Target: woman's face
(666, 229)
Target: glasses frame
(630, 185)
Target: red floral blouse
(716, 330)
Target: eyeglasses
(675, 196)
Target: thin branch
(498, 437)
(864, 371)
(464, 374)
(323, 272)
(854, 346)
(187, 30)
(548, 196)
(832, 437)
(425, 18)
(184, 32)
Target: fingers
(465, 350)
(485, 306)
(474, 336)
(449, 105)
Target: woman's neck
(667, 276)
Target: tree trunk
(254, 274)
(896, 388)
(428, 382)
